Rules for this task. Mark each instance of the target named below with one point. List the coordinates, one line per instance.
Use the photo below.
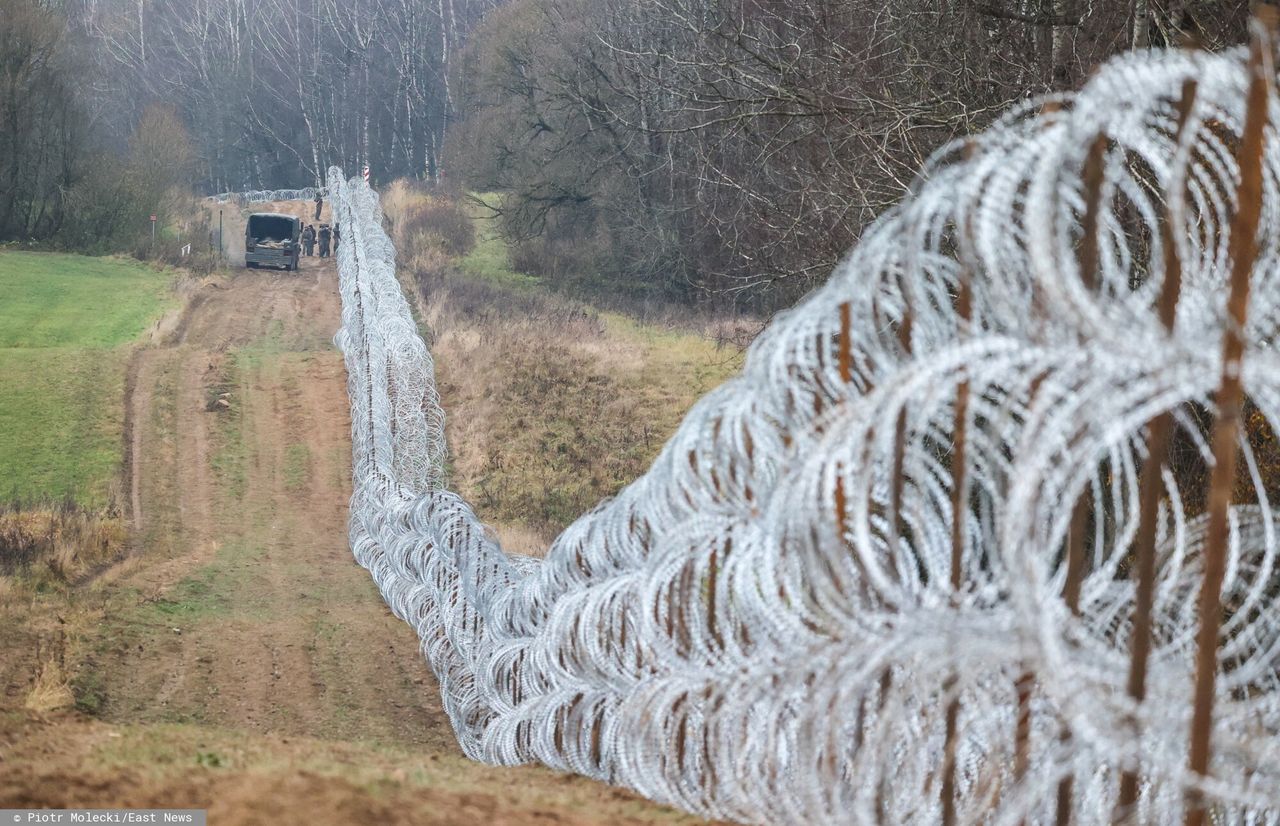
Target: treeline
(108, 105)
(677, 149)
(276, 91)
(59, 180)
(693, 148)
(64, 180)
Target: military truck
(272, 240)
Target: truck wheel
(251, 265)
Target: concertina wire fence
(929, 558)
(260, 196)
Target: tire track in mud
(242, 628)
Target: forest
(723, 151)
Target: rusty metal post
(1243, 249)
(1089, 255)
(959, 505)
(1150, 483)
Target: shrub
(398, 197)
(438, 222)
(66, 538)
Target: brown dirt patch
(242, 628)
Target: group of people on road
(326, 236)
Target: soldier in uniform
(324, 240)
(309, 241)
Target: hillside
(236, 658)
(552, 403)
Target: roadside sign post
(153, 231)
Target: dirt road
(240, 660)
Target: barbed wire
(888, 574)
(260, 196)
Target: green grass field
(490, 259)
(66, 324)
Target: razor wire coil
(763, 627)
(262, 196)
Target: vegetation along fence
(259, 196)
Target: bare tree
(741, 146)
(279, 89)
(42, 127)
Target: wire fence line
(262, 196)
(942, 553)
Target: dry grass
(429, 230)
(59, 541)
(398, 198)
(552, 404)
(51, 690)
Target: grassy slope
(258, 675)
(65, 325)
(551, 406)
(489, 259)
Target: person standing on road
(319, 205)
(324, 240)
(335, 239)
(309, 241)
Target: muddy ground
(238, 659)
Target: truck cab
(272, 240)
